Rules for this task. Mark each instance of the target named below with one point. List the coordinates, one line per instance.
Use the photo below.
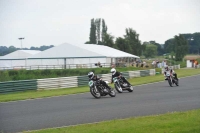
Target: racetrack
(156, 98)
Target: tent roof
(81, 51)
(20, 54)
(107, 51)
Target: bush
(13, 72)
(159, 70)
(4, 76)
(10, 75)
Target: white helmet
(90, 75)
(113, 71)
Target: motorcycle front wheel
(170, 82)
(95, 92)
(118, 88)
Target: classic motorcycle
(98, 90)
(120, 85)
(171, 79)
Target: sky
(53, 22)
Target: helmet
(166, 67)
(113, 71)
(90, 75)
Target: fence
(70, 66)
(62, 82)
(67, 66)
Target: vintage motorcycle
(171, 79)
(98, 90)
(120, 85)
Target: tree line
(179, 46)
(6, 50)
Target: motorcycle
(98, 90)
(171, 79)
(120, 85)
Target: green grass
(175, 122)
(66, 91)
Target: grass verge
(175, 122)
(59, 92)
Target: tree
(93, 32)
(181, 47)
(132, 39)
(108, 41)
(104, 30)
(169, 46)
(150, 51)
(122, 45)
(98, 29)
(193, 43)
(160, 50)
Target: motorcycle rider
(118, 75)
(171, 71)
(93, 77)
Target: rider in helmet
(171, 71)
(118, 74)
(93, 77)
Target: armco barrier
(55, 83)
(63, 82)
(14, 86)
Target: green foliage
(193, 41)
(98, 29)
(158, 70)
(10, 75)
(169, 46)
(132, 41)
(4, 76)
(150, 51)
(93, 32)
(122, 45)
(104, 30)
(108, 41)
(181, 47)
(160, 50)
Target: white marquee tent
(16, 58)
(76, 55)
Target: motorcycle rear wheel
(170, 82)
(130, 89)
(112, 93)
(176, 82)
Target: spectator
(195, 63)
(153, 64)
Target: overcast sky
(53, 22)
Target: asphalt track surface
(151, 99)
